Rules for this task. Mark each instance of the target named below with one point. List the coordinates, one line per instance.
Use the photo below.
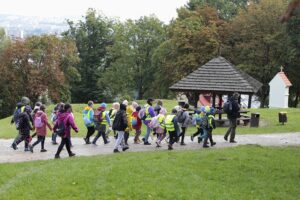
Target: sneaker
(170, 147)
(199, 140)
(143, 139)
(147, 143)
(116, 151)
(233, 141)
(157, 145)
(72, 154)
(225, 138)
(14, 146)
(212, 144)
(43, 150)
(182, 143)
(205, 146)
(54, 143)
(56, 157)
(94, 144)
(125, 148)
(26, 149)
(107, 142)
(31, 148)
(192, 138)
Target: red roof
(285, 79)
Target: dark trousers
(231, 129)
(54, 136)
(199, 132)
(90, 131)
(67, 142)
(101, 132)
(182, 134)
(23, 137)
(208, 137)
(173, 137)
(126, 136)
(40, 139)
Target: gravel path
(7, 154)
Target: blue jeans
(147, 134)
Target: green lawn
(245, 172)
(268, 121)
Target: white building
(279, 91)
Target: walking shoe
(56, 157)
(157, 144)
(31, 148)
(143, 139)
(182, 143)
(192, 138)
(233, 141)
(205, 146)
(54, 143)
(87, 141)
(94, 144)
(72, 154)
(26, 149)
(43, 150)
(170, 147)
(125, 148)
(199, 140)
(107, 142)
(116, 151)
(213, 143)
(14, 146)
(147, 143)
(225, 138)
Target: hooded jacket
(68, 120)
(120, 122)
(42, 131)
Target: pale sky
(165, 10)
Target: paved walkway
(7, 154)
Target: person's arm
(46, 122)
(176, 124)
(72, 123)
(125, 119)
(92, 115)
(152, 112)
(27, 118)
(108, 119)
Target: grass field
(245, 172)
(268, 121)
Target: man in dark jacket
(232, 115)
(120, 124)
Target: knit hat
(125, 102)
(103, 105)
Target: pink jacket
(69, 122)
(42, 131)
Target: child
(205, 127)
(54, 116)
(88, 117)
(197, 120)
(172, 128)
(112, 114)
(137, 125)
(161, 129)
(212, 125)
(41, 124)
(101, 120)
(119, 125)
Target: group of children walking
(121, 119)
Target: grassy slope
(246, 172)
(269, 121)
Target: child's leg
(39, 139)
(212, 143)
(126, 136)
(43, 142)
(205, 137)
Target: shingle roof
(218, 75)
(285, 79)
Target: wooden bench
(246, 120)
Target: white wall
(279, 93)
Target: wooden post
(249, 101)
(220, 106)
(214, 100)
(196, 99)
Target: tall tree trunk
(296, 102)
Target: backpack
(227, 108)
(16, 116)
(180, 116)
(154, 123)
(38, 122)
(98, 116)
(61, 129)
(20, 121)
(86, 119)
(142, 114)
(118, 123)
(134, 121)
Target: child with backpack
(172, 128)
(199, 114)
(101, 120)
(161, 129)
(205, 127)
(211, 125)
(136, 125)
(112, 114)
(24, 126)
(88, 118)
(63, 127)
(41, 123)
(54, 117)
(120, 124)
(148, 115)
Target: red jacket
(139, 121)
(42, 131)
(69, 122)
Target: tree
(132, 71)
(92, 37)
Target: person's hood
(20, 105)
(123, 107)
(87, 108)
(63, 116)
(39, 113)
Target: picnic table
(241, 117)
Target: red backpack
(98, 115)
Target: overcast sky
(165, 10)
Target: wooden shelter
(218, 77)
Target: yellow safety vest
(161, 120)
(104, 121)
(169, 124)
(148, 116)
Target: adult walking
(184, 121)
(88, 118)
(102, 120)
(120, 124)
(67, 119)
(232, 109)
(149, 112)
